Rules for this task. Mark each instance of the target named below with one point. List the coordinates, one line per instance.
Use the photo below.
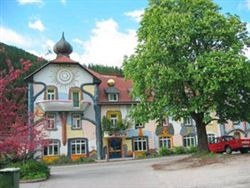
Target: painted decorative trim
(245, 133)
(117, 113)
(167, 130)
(63, 117)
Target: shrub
(192, 149)
(179, 150)
(85, 160)
(61, 160)
(32, 169)
(142, 155)
(165, 151)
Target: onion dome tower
(62, 47)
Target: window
(211, 138)
(165, 142)
(139, 125)
(76, 98)
(78, 146)
(188, 121)
(52, 148)
(113, 119)
(113, 97)
(188, 141)
(51, 94)
(51, 121)
(76, 121)
(140, 144)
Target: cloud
(244, 5)
(107, 45)
(247, 52)
(24, 2)
(36, 25)
(136, 14)
(78, 41)
(248, 27)
(247, 4)
(63, 2)
(11, 37)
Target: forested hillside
(15, 54)
(108, 70)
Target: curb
(33, 180)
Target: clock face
(64, 76)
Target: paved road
(140, 174)
(122, 174)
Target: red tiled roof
(63, 59)
(124, 87)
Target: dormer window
(112, 92)
(113, 97)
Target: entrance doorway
(115, 148)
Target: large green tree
(189, 63)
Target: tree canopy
(189, 62)
(108, 70)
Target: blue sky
(100, 31)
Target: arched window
(75, 94)
(114, 117)
(51, 93)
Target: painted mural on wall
(64, 76)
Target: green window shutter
(76, 101)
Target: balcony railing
(120, 133)
(62, 105)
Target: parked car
(228, 144)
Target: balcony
(120, 133)
(62, 105)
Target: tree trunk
(201, 134)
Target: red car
(228, 144)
